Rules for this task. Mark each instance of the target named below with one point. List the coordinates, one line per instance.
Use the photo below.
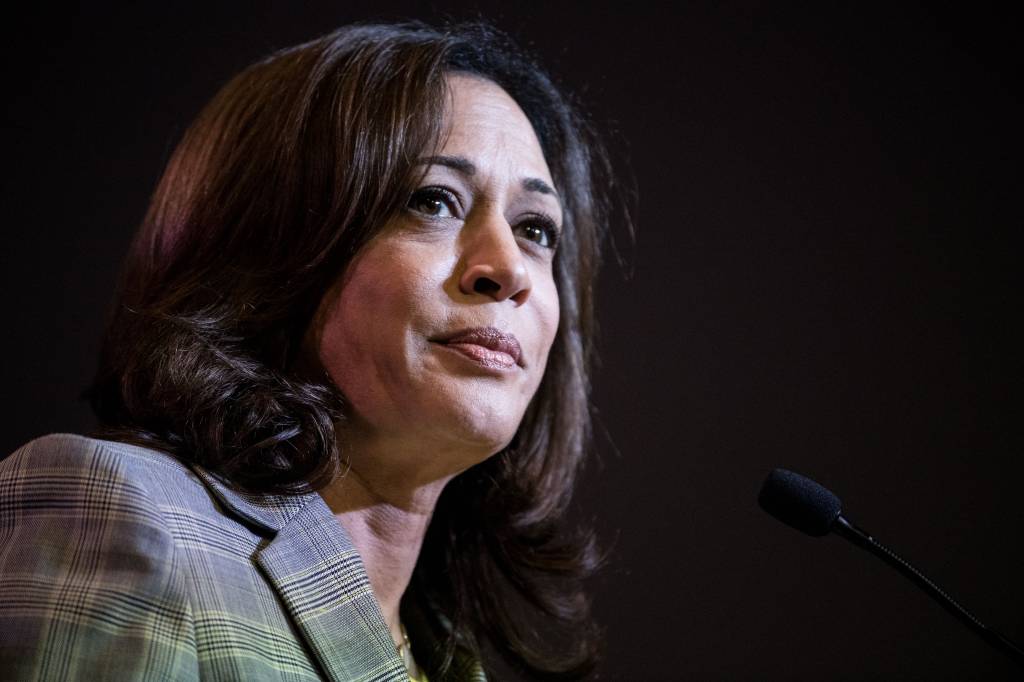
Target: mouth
(486, 346)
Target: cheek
(364, 335)
(549, 313)
(541, 330)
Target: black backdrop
(824, 278)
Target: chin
(481, 431)
(485, 440)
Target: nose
(494, 265)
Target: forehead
(487, 126)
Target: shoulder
(70, 452)
(93, 471)
(88, 565)
(135, 494)
(65, 496)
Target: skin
(419, 411)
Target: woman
(343, 391)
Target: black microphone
(809, 507)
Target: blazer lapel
(321, 579)
(316, 570)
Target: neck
(386, 513)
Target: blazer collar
(317, 572)
(267, 512)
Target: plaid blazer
(119, 562)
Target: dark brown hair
(281, 179)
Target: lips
(488, 346)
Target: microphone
(807, 506)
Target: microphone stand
(841, 526)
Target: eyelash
(546, 223)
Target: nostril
(483, 285)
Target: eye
(436, 202)
(539, 229)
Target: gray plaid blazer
(118, 562)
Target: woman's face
(439, 331)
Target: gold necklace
(404, 649)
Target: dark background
(824, 277)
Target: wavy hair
(281, 179)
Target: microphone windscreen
(799, 502)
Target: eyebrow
(466, 167)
